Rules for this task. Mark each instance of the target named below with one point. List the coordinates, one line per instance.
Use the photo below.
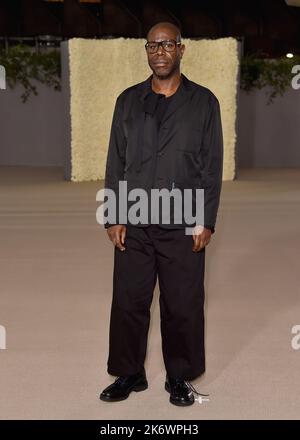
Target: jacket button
(159, 153)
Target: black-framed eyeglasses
(168, 45)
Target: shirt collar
(151, 98)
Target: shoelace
(193, 389)
(190, 387)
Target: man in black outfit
(166, 132)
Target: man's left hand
(201, 237)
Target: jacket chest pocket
(190, 137)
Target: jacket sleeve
(212, 163)
(116, 155)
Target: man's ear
(182, 49)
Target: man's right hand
(117, 234)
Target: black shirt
(162, 104)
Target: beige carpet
(56, 280)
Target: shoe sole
(176, 402)
(136, 388)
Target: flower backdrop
(102, 69)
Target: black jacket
(186, 151)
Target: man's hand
(117, 234)
(201, 237)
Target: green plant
(276, 74)
(22, 64)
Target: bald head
(167, 27)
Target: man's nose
(160, 49)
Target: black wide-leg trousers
(153, 252)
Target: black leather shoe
(123, 385)
(180, 393)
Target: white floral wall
(101, 69)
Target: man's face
(164, 63)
